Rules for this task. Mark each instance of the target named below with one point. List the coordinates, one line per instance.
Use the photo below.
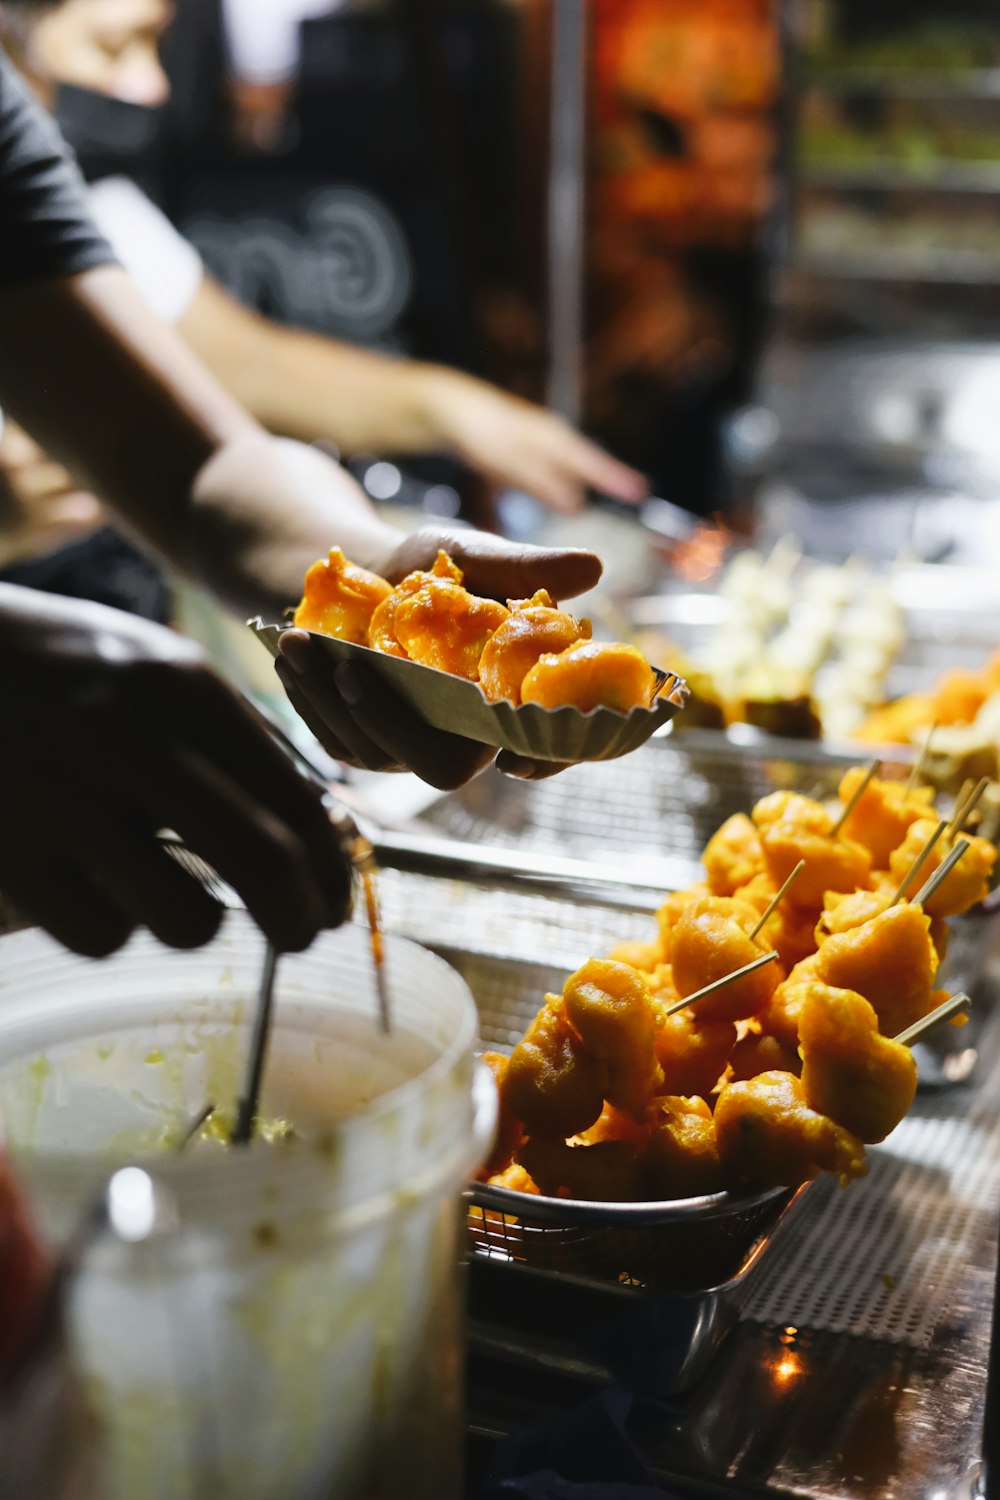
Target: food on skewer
(885, 812)
(605, 1172)
(589, 675)
(889, 959)
(552, 1082)
(861, 1079)
(533, 628)
(768, 1134)
(733, 856)
(965, 885)
(709, 940)
(610, 1007)
(692, 1051)
(761, 1052)
(794, 828)
(340, 598)
(681, 1159)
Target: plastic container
(298, 1333)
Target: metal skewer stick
(859, 791)
(963, 813)
(249, 1103)
(920, 762)
(772, 904)
(193, 1127)
(718, 984)
(918, 863)
(941, 1013)
(944, 868)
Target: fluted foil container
(458, 706)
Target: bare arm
(89, 371)
(311, 387)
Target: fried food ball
(780, 1016)
(340, 598)
(709, 940)
(644, 956)
(864, 1081)
(682, 1159)
(671, 909)
(733, 856)
(615, 1125)
(444, 626)
(890, 960)
(552, 1083)
(963, 886)
(533, 628)
(883, 813)
(760, 1052)
(790, 928)
(791, 808)
(768, 1134)
(610, 1007)
(845, 910)
(509, 1129)
(382, 630)
(608, 1172)
(589, 675)
(830, 864)
(692, 1052)
(514, 1177)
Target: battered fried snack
(610, 1007)
(864, 1081)
(884, 812)
(794, 828)
(608, 1172)
(510, 1130)
(551, 1082)
(964, 886)
(666, 916)
(710, 940)
(645, 956)
(438, 622)
(340, 598)
(890, 960)
(779, 1018)
(692, 1052)
(790, 928)
(768, 1135)
(682, 1159)
(733, 856)
(514, 1177)
(590, 675)
(533, 628)
(760, 1052)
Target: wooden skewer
(936, 1017)
(919, 862)
(918, 764)
(718, 984)
(945, 868)
(772, 904)
(856, 797)
(962, 814)
(965, 791)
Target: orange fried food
(733, 855)
(515, 1178)
(864, 1081)
(963, 886)
(794, 828)
(692, 1052)
(780, 1016)
(760, 1052)
(709, 940)
(640, 955)
(382, 630)
(890, 960)
(610, 1007)
(533, 628)
(790, 928)
(671, 909)
(682, 1158)
(883, 813)
(589, 675)
(844, 910)
(444, 626)
(768, 1134)
(509, 1128)
(615, 1125)
(608, 1172)
(340, 598)
(551, 1082)
(899, 722)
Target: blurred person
(294, 382)
(115, 728)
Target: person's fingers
(313, 720)
(44, 480)
(153, 889)
(443, 760)
(317, 683)
(62, 898)
(590, 464)
(523, 769)
(494, 566)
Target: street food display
(761, 1036)
(527, 651)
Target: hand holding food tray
(525, 677)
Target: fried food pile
(528, 651)
(620, 1092)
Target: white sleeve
(163, 265)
